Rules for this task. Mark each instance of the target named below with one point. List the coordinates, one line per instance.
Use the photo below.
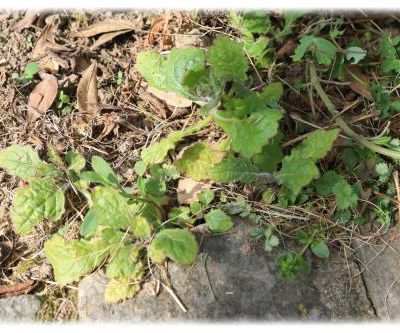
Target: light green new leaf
(141, 227)
(228, 60)
(124, 265)
(41, 199)
(76, 162)
(89, 225)
(119, 289)
(111, 208)
(355, 53)
(206, 197)
(320, 249)
(250, 134)
(234, 169)
(71, 260)
(218, 221)
(21, 161)
(178, 245)
(197, 160)
(104, 170)
(54, 156)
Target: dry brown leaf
(105, 27)
(24, 23)
(170, 98)
(46, 41)
(359, 82)
(287, 49)
(156, 29)
(42, 97)
(5, 250)
(108, 37)
(87, 96)
(188, 189)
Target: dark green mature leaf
(41, 199)
(291, 263)
(320, 249)
(71, 260)
(234, 169)
(228, 60)
(324, 50)
(21, 161)
(218, 221)
(389, 52)
(271, 155)
(177, 244)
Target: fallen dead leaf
(87, 95)
(287, 49)
(42, 97)
(24, 23)
(359, 82)
(156, 29)
(188, 189)
(110, 29)
(170, 98)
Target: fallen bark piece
(17, 289)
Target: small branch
(176, 298)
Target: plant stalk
(342, 124)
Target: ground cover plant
(317, 151)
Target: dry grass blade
(105, 27)
(87, 95)
(359, 82)
(42, 97)
(171, 98)
(24, 23)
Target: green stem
(342, 124)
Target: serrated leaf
(258, 49)
(320, 249)
(20, 160)
(157, 152)
(178, 245)
(234, 169)
(111, 208)
(179, 215)
(76, 162)
(71, 260)
(250, 134)
(218, 221)
(228, 60)
(198, 159)
(104, 170)
(325, 184)
(391, 58)
(41, 199)
(316, 145)
(120, 289)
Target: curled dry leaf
(170, 98)
(42, 97)
(24, 23)
(87, 96)
(287, 49)
(46, 40)
(188, 189)
(110, 29)
(359, 82)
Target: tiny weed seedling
(64, 103)
(119, 78)
(31, 69)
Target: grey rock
(380, 266)
(246, 285)
(19, 308)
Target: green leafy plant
(119, 78)
(30, 70)
(270, 240)
(64, 103)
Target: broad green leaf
(234, 169)
(228, 60)
(54, 156)
(179, 245)
(151, 66)
(103, 169)
(258, 49)
(250, 134)
(390, 54)
(140, 168)
(325, 184)
(157, 152)
(355, 54)
(256, 21)
(89, 225)
(218, 221)
(153, 189)
(297, 173)
(324, 50)
(71, 260)
(21, 161)
(320, 249)
(206, 197)
(93, 177)
(290, 18)
(41, 199)
(76, 162)
(120, 289)
(124, 265)
(316, 145)
(271, 155)
(198, 159)
(181, 215)
(272, 93)
(141, 227)
(111, 208)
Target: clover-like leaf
(41, 199)
(178, 245)
(21, 161)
